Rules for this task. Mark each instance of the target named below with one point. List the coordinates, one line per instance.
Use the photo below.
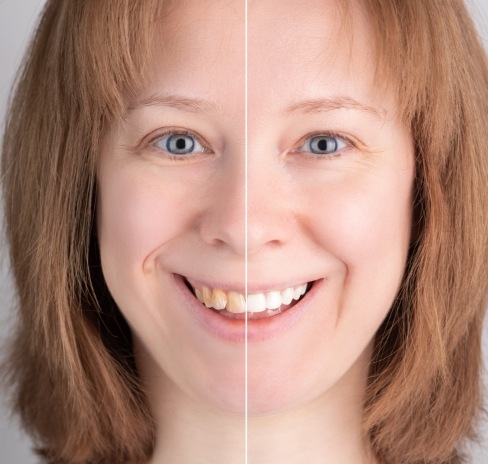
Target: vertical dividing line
(245, 234)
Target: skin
(342, 218)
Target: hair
(425, 390)
(71, 367)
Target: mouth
(235, 305)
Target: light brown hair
(425, 392)
(71, 366)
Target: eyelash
(328, 156)
(151, 143)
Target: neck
(191, 432)
(324, 430)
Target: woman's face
(308, 180)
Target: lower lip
(234, 330)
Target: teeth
(219, 299)
(235, 302)
(273, 300)
(199, 294)
(299, 291)
(287, 295)
(256, 302)
(207, 297)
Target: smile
(234, 304)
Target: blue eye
(323, 145)
(179, 143)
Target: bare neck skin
(323, 430)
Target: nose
(269, 218)
(223, 222)
(250, 212)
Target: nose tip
(224, 230)
(260, 237)
(223, 223)
(246, 215)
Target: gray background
(17, 20)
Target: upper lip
(252, 287)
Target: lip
(234, 330)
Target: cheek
(365, 228)
(367, 219)
(140, 213)
(134, 221)
(137, 214)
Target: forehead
(198, 45)
(312, 44)
(200, 51)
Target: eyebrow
(323, 105)
(193, 105)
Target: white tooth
(207, 296)
(256, 302)
(273, 300)
(219, 299)
(199, 295)
(299, 291)
(287, 295)
(236, 303)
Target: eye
(179, 143)
(322, 144)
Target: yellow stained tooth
(207, 296)
(219, 299)
(199, 295)
(236, 303)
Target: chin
(228, 397)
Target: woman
(163, 161)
